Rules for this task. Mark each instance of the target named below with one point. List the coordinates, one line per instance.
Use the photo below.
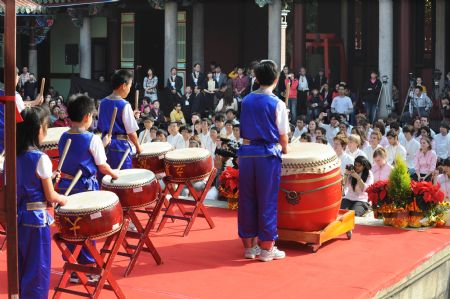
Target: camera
(412, 79)
(230, 149)
(349, 167)
(384, 79)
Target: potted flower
(426, 203)
(229, 186)
(399, 193)
(378, 196)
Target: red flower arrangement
(427, 196)
(377, 193)
(229, 186)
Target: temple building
(62, 39)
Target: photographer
(371, 92)
(420, 103)
(358, 177)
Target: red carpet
(208, 264)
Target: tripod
(411, 84)
(386, 97)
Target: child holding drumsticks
(34, 189)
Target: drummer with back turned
(125, 125)
(264, 125)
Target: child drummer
(125, 125)
(34, 189)
(86, 153)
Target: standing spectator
(442, 142)
(150, 85)
(315, 104)
(24, 77)
(342, 104)
(197, 101)
(381, 168)
(305, 83)
(240, 84)
(210, 90)
(357, 181)
(174, 86)
(186, 102)
(424, 161)
(282, 82)
(420, 104)
(291, 85)
(320, 80)
(197, 78)
(221, 78)
(412, 146)
(371, 92)
(227, 102)
(419, 82)
(177, 116)
(326, 94)
(252, 82)
(394, 148)
(30, 88)
(175, 138)
(157, 114)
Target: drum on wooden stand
(310, 189)
(152, 156)
(189, 164)
(50, 144)
(136, 188)
(89, 215)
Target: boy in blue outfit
(86, 153)
(125, 125)
(264, 125)
(34, 189)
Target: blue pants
(259, 183)
(34, 261)
(371, 110)
(293, 107)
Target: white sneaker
(251, 253)
(273, 254)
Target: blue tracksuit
(79, 157)
(33, 229)
(116, 148)
(259, 168)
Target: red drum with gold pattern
(50, 144)
(136, 188)
(310, 189)
(189, 164)
(152, 156)
(89, 215)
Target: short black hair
(266, 72)
(395, 125)
(120, 77)
(408, 129)
(445, 125)
(392, 134)
(79, 106)
(161, 132)
(220, 117)
(215, 129)
(301, 117)
(324, 132)
(230, 110)
(230, 122)
(236, 126)
(28, 130)
(185, 128)
(418, 87)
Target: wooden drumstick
(74, 182)
(145, 136)
(113, 120)
(125, 155)
(64, 154)
(41, 90)
(136, 100)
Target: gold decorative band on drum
(189, 164)
(152, 156)
(136, 188)
(293, 197)
(89, 215)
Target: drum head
(87, 202)
(309, 158)
(130, 178)
(53, 136)
(187, 154)
(155, 148)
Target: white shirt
(203, 139)
(342, 105)
(302, 83)
(211, 146)
(412, 147)
(368, 150)
(147, 139)
(346, 159)
(176, 141)
(44, 167)
(331, 131)
(393, 151)
(282, 119)
(442, 144)
(19, 103)
(97, 150)
(444, 183)
(230, 137)
(356, 153)
(358, 194)
(298, 132)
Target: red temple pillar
(404, 50)
(299, 53)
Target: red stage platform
(209, 264)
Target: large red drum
(50, 144)
(152, 156)
(136, 188)
(89, 215)
(310, 189)
(189, 164)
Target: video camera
(230, 149)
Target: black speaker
(71, 54)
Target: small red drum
(136, 188)
(89, 215)
(152, 156)
(188, 164)
(310, 189)
(50, 144)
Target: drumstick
(41, 91)
(113, 120)
(64, 154)
(73, 183)
(136, 100)
(145, 136)
(125, 155)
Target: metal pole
(10, 148)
